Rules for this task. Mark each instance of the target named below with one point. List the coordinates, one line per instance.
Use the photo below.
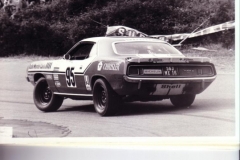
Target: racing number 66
(70, 77)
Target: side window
(82, 51)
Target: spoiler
(169, 59)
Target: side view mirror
(66, 56)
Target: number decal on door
(70, 79)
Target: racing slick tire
(44, 99)
(106, 101)
(182, 100)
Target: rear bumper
(169, 80)
(163, 86)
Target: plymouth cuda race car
(111, 70)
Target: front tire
(44, 99)
(106, 101)
(184, 100)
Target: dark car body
(134, 68)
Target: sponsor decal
(56, 68)
(152, 71)
(87, 83)
(150, 60)
(49, 76)
(188, 70)
(55, 77)
(111, 66)
(100, 64)
(41, 66)
(155, 60)
(187, 60)
(128, 58)
(57, 84)
(171, 86)
(169, 89)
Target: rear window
(144, 48)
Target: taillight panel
(170, 70)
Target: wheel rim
(45, 95)
(101, 98)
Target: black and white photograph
(157, 71)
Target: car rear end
(169, 78)
(163, 72)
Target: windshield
(144, 48)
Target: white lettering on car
(111, 66)
(100, 64)
(87, 83)
(57, 84)
(171, 86)
(55, 77)
(41, 66)
(49, 76)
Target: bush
(53, 28)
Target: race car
(112, 70)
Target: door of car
(72, 80)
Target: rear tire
(106, 101)
(182, 100)
(44, 99)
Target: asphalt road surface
(212, 113)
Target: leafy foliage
(53, 28)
